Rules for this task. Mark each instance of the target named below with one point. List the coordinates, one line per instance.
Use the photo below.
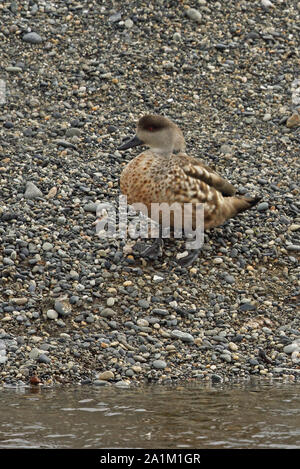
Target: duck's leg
(190, 258)
(155, 250)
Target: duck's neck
(162, 152)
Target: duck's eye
(150, 129)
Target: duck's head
(157, 132)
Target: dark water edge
(253, 415)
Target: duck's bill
(134, 142)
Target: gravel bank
(77, 75)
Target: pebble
(183, 336)
(32, 38)
(52, 314)
(262, 206)
(229, 279)
(177, 37)
(42, 358)
(105, 376)
(159, 364)
(32, 191)
(158, 279)
(128, 23)
(295, 346)
(267, 117)
(293, 121)
(13, 69)
(194, 14)
(47, 246)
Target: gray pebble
(73, 131)
(184, 336)
(47, 246)
(194, 14)
(291, 348)
(43, 359)
(159, 364)
(262, 206)
(229, 279)
(32, 38)
(293, 247)
(32, 192)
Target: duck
(165, 173)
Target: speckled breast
(141, 180)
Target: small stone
(217, 260)
(52, 314)
(144, 304)
(91, 207)
(226, 149)
(128, 23)
(221, 46)
(52, 193)
(294, 227)
(247, 307)
(262, 206)
(32, 38)
(267, 117)
(122, 384)
(115, 17)
(32, 192)
(216, 378)
(105, 375)
(229, 279)
(20, 301)
(293, 247)
(184, 336)
(293, 121)
(12, 69)
(158, 278)
(232, 346)
(74, 275)
(61, 308)
(100, 382)
(61, 220)
(177, 37)
(159, 364)
(42, 358)
(291, 348)
(8, 261)
(47, 246)
(267, 4)
(142, 322)
(108, 313)
(64, 143)
(34, 353)
(194, 14)
(73, 131)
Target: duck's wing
(196, 169)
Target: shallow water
(252, 415)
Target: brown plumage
(161, 175)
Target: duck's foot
(190, 258)
(155, 250)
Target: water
(195, 416)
